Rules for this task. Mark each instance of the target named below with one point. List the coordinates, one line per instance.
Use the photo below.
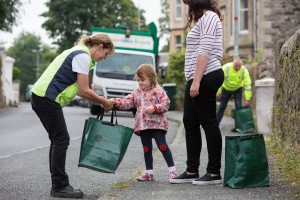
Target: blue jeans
(160, 139)
(201, 110)
(226, 95)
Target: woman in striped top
(204, 76)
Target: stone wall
(286, 110)
(277, 19)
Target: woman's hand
(194, 90)
(108, 105)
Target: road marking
(33, 149)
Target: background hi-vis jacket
(59, 82)
(234, 80)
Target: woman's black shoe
(184, 178)
(67, 192)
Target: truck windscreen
(121, 65)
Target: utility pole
(139, 17)
(254, 29)
(37, 62)
(236, 29)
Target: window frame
(178, 9)
(243, 13)
(178, 44)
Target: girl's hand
(150, 110)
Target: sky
(30, 21)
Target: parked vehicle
(28, 92)
(114, 76)
(78, 101)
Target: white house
(9, 89)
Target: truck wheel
(95, 110)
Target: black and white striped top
(205, 39)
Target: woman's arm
(207, 30)
(201, 65)
(85, 92)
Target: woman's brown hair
(196, 8)
(97, 39)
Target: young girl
(151, 102)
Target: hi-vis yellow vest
(59, 82)
(234, 80)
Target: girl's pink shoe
(173, 174)
(145, 177)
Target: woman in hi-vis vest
(66, 77)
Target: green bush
(175, 74)
(16, 73)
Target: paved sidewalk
(161, 189)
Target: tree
(9, 10)
(47, 56)
(166, 47)
(164, 21)
(175, 74)
(68, 19)
(175, 71)
(26, 60)
(164, 24)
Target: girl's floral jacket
(142, 99)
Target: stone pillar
(1, 77)
(16, 92)
(264, 104)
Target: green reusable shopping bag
(246, 162)
(103, 144)
(244, 121)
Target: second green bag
(103, 144)
(246, 162)
(243, 118)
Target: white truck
(114, 76)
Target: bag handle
(100, 114)
(250, 137)
(113, 113)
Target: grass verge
(286, 161)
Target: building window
(178, 9)
(178, 44)
(244, 26)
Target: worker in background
(236, 78)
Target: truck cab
(114, 76)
